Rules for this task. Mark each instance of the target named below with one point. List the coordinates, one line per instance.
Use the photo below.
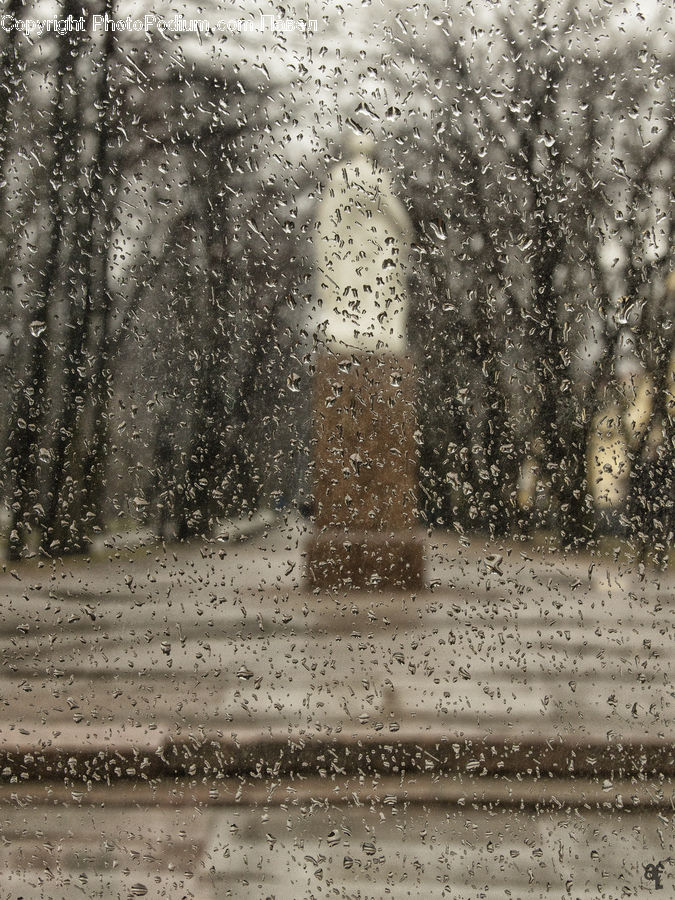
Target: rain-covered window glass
(337, 449)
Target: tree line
(156, 259)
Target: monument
(365, 454)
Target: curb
(114, 757)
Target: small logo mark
(654, 871)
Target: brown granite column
(365, 473)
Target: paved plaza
(195, 721)
(310, 849)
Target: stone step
(140, 752)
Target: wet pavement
(227, 637)
(309, 847)
(164, 671)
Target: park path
(185, 721)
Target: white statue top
(362, 239)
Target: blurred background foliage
(156, 203)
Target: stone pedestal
(365, 474)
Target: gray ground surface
(137, 649)
(309, 849)
(158, 640)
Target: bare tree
(516, 165)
